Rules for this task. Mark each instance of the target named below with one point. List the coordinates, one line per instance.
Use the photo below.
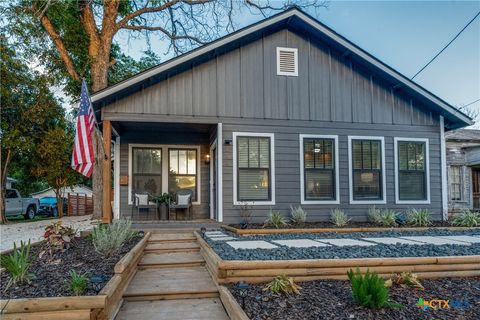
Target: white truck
(15, 204)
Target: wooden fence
(79, 204)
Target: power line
(448, 44)
(468, 104)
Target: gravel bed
(331, 299)
(226, 252)
(52, 273)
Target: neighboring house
(78, 189)
(283, 112)
(463, 160)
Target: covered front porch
(163, 162)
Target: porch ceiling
(162, 127)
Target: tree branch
(122, 23)
(57, 41)
(166, 32)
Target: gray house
(283, 112)
(463, 160)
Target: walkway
(172, 282)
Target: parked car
(48, 206)
(15, 204)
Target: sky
(403, 34)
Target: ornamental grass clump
(385, 218)
(369, 290)
(419, 218)
(108, 239)
(17, 264)
(77, 283)
(282, 284)
(467, 218)
(339, 218)
(275, 220)
(298, 216)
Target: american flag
(83, 157)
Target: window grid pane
(319, 170)
(183, 170)
(411, 170)
(367, 170)
(253, 168)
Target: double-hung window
(411, 170)
(253, 168)
(182, 173)
(147, 171)
(319, 169)
(455, 175)
(367, 169)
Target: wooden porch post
(106, 172)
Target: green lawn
(20, 219)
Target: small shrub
(405, 279)
(374, 215)
(339, 218)
(246, 214)
(368, 290)
(385, 218)
(77, 283)
(17, 264)
(282, 284)
(298, 215)
(419, 218)
(467, 218)
(58, 237)
(108, 239)
(275, 220)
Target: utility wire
(448, 44)
(468, 104)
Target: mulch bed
(52, 273)
(327, 224)
(331, 299)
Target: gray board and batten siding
(331, 95)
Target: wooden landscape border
(103, 306)
(234, 311)
(258, 271)
(253, 232)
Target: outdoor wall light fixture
(141, 233)
(202, 231)
(243, 291)
(207, 159)
(96, 282)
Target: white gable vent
(287, 62)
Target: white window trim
(427, 170)
(290, 74)
(350, 170)
(165, 170)
(302, 170)
(272, 168)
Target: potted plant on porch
(163, 202)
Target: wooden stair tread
(172, 246)
(171, 258)
(182, 309)
(171, 281)
(172, 237)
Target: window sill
(368, 202)
(309, 202)
(413, 202)
(253, 203)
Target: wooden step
(201, 309)
(171, 259)
(172, 237)
(172, 247)
(171, 283)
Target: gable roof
(298, 21)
